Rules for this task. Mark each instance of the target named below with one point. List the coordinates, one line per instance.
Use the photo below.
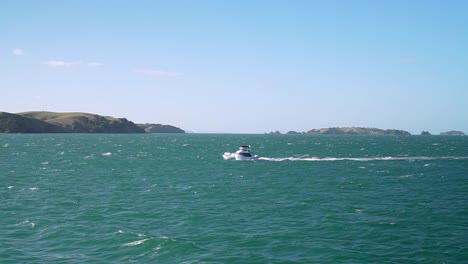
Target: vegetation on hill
(158, 128)
(11, 123)
(86, 123)
(357, 130)
(49, 122)
(52, 122)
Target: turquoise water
(173, 199)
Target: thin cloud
(64, 64)
(158, 73)
(94, 64)
(69, 64)
(18, 52)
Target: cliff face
(357, 131)
(50, 122)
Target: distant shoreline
(363, 131)
(41, 122)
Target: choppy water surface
(173, 199)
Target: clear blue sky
(241, 66)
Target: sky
(241, 66)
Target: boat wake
(364, 159)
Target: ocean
(172, 198)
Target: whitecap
(5, 145)
(45, 163)
(135, 243)
(26, 223)
(107, 154)
(167, 238)
(10, 187)
(405, 176)
(34, 189)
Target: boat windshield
(246, 154)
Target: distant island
(75, 122)
(349, 131)
(362, 131)
(357, 131)
(453, 133)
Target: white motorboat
(242, 154)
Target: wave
(135, 243)
(364, 159)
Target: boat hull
(236, 156)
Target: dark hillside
(12, 123)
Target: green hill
(357, 131)
(158, 128)
(51, 122)
(76, 122)
(11, 123)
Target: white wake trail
(364, 159)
